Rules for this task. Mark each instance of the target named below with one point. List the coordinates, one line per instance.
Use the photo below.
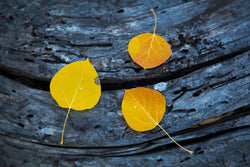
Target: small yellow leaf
(76, 86)
(149, 50)
(143, 109)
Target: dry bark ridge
(206, 77)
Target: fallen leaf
(209, 121)
(149, 50)
(76, 86)
(143, 109)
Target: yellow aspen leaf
(143, 109)
(149, 50)
(76, 86)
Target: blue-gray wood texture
(206, 77)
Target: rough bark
(206, 77)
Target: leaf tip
(87, 60)
(126, 90)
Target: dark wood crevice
(43, 84)
(230, 117)
(36, 83)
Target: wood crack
(43, 84)
(147, 147)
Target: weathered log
(206, 77)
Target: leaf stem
(152, 10)
(70, 108)
(190, 152)
(151, 44)
(64, 125)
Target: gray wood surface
(206, 77)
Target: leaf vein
(144, 109)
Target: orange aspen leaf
(149, 50)
(76, 86)
(143, 109)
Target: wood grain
(206, 77)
